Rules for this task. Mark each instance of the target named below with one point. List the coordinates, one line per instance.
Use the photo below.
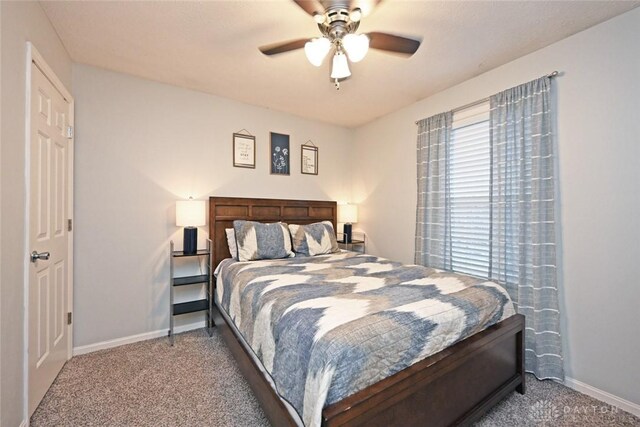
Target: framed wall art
(280, 154)
(244, 150)
(309, 158)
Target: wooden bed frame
(453, 387)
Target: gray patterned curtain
(433, 231)
(523, 244)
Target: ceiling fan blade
(273, 49)
(366, 6)
(310, 6)
(391, 43)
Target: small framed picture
(309, 160)
(280, 154)
(244, 151)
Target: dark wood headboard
(224, 210)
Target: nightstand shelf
(190, 280)
(357, 243)
(180, 254)
(190, 306)
(193, 306)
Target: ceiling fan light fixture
(317, 49)
(356, 45)
(340, 68)
(338, 22)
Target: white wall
(21, 22)
(142, 145)
(598, 135)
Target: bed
(456, 385)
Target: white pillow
(231, 241)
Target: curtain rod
(480, 101)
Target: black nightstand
(198, 279)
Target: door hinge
(69, 132)
(69, 318)
(69, 225)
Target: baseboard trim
(90, 348)
(602, 395)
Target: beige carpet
(196, 383)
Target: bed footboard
(453, 387)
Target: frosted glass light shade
(318, 17)
(316, 50)
(190, 213)
(356, 15)
(356, 45)
(340, 69)
(348, 213)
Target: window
(469, 190)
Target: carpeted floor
(196, 383)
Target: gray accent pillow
(256, 240)
(314, 239)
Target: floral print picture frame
(280, 154)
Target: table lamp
(347, 214)
(190, 214)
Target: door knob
(35, 256)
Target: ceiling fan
(338, 21)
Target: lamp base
(346, 230)
(190, 243)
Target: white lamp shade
(340, 69)
(348, 213)
(317, 49)
(190, 213)
(356, 45)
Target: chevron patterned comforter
(325, 327)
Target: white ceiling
(213, 47)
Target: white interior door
(50, 154)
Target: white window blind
(469, 190)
